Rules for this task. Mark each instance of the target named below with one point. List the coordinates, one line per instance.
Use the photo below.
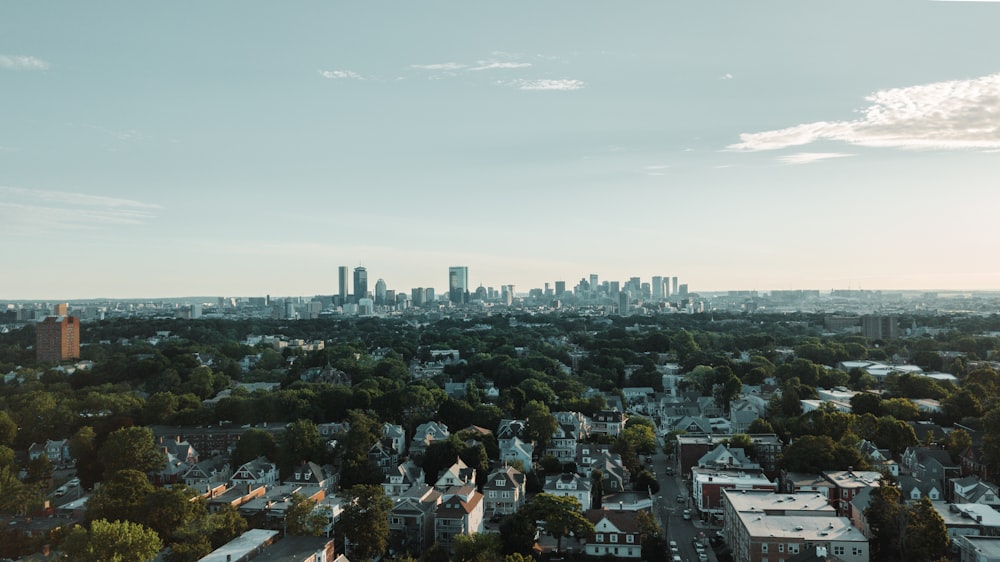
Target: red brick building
(57, 338)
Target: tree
(958, 441)
(300, 442)
(640, 437)
(118, 541)
(884, 519)
(8, 429)
(364, 522)
(926, 537)
(760, 425)
(131, 448)
(563, 515)
(517, 534)
(120, 498)
(817, 453)
(866, 403)
(479, 547)
(302, 518)
(254, 443)
(726, 387)
(901, 409)
(541, 423)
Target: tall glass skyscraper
(342, 289)
(458, 284)
(360, 283)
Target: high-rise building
(61, 309)
(593, 282)
(674, 291)
(57, 338)
(360, 283)
(380, 292)
(342, 277)
(657, 288)
(623, 304)
(458, 284)
(560, 288)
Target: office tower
(342, 276)
(593, 282)
(380, 292)
(390, 296)
(560, 288)
(417, 296)
(481, 293)
(674, 291)
(57, 338)
(507, 294)
(634, 285)
(61, 309)
(548, 290)
(657, 288)
(683, 292)
(645, 291)
(429, 296)
(360, 283)
(458, 284)
(623, 303)
(614, 289)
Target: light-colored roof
(240, 546)
(819, 528)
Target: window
(857, 551)
(793, 548)
(505, 494)
(781, 547)
(838, 551)
(630, 539)
(493, 493)
(614, 538)
(763, 547)
(499, 483)
(599, 537)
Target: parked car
(680, 498)
(73, 483)
(687, 514)
(61, 491)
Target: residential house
(516, 451)
(616, 477)
(742, 412)
(406, 476)
(847, 484)
(562, 446)
(396, 436)
(724, 457)
(616, 534)
(504, 491)
(797, 482)
(608, 422)
(912, 489)
(310, 474)
(973, 463)
(570, 485)
(879, 459)
(384, 456)
(707, 485)
(971, 489)
(258, 472)
(457, 475)
(576, 420)
(930, 464)
(587, 454)
(461, 512)
(411, 519)
(208, 474)
(968, 519)
(510, 429)
(56, 451)
(425, 434)
(179, 456)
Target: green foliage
(364, 522)
(118, 541)
(131, 448)
(814, 454)
(562, 515)
(302, 518)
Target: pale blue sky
(243, 148)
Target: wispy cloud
(726, 76)
(956, 114)
(810, 157)
(547, 84)
(16, 62)
(494, 65)
(36, 210)
(440, 66)
(340, 75)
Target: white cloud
(36, 212)
(810, 157)
(340, 74)
(493, 65)
(562, 85)
(957, 114)
(726, 76)
(657, 167)
(15, 62)
(439, 66)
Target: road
(670, 511)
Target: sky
(246, 148)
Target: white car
(61, 491)
(73, 483)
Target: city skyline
(250, 148)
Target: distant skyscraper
(57, 338)
(417, 296)
(560, 288)
(674, 292)
(657, 288)
(623, 303)
(360, 283)
(380, 292)
(458, 284)
(683, 291)
(593, 282)
(342, 275)
(615, 288)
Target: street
(670, 512)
